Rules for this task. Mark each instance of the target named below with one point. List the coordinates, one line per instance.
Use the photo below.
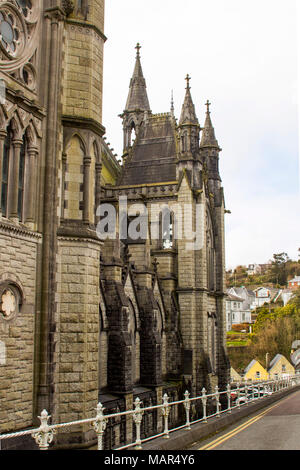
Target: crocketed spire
(208, 133)
(188, 113)
(137, 97)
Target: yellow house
(280, 368)
(255, 371)
(234, 376)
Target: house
(294, 283)
(255, 371)
(235, 376)
(253, 269)
(237, 311)
(280, 368)
(246, 294)
(295, 355)
(264, 295)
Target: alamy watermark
(164, 222)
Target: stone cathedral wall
(18, 255)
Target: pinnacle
(208, 133)
(137, 97)
(188, 113)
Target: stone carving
(68, 6)
(8, 305)
(19, 38)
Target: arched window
(5, 172)
(212, 339)
(21, 180)
(135, 353)
(132, 134)
(167, 229)
(210, 255)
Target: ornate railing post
(238, 393)
(137, 418)
(217, 395)
(246, 393)
(44, 436)
(166, 411)
(187, 406)
(204, 402)
(100, 425)
(228, 393)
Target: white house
(264, 295)
(237, 311)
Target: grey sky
(242, 56)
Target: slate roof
(153, 155)
(275, 360)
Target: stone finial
(188, 79)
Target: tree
(278, 269)
(274, 332)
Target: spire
(208, 135)
(188, 114)
(137, 97)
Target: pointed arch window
(5, 172)
(167, 229)
(21, 180)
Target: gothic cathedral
(87, 318)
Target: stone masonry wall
(84, 68)
(76, 377)
(18, 253)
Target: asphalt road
(276, 427)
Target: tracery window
(18, 175)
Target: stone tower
(51, 162)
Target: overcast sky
(243, 57)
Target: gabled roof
(251, 364)
(235, 298)
(275, 360)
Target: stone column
(63, 181)
(3, 135)
(86, 189)
(98, 168)
(14, 182)
(30, 194)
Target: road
(276, 427)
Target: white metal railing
(237, 396)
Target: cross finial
(188, 78)
(138, 47)
(207, 104)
